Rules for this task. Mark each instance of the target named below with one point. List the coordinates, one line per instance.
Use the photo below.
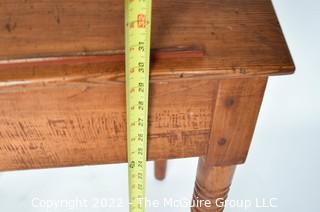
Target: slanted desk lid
(240, 38)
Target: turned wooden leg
(160, 167)
(211, 187)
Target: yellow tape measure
(137, 38)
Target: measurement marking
(138, 19)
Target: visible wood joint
(236, 108)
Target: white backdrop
(283, 163)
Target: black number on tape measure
(140, 122)
(132, 164)
(140, 137)
(141, 46)
(140, 151)
(141, 87)
(141, 67)
(140, 105)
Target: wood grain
(101, 57)
(62, 99)
(241, 38)
(72, 113)
(212, 185)
(236, 110)
(81, 123)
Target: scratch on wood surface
(51, 138)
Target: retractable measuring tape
(137, 49)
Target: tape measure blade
(137, 33)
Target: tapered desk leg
(211, 187)
(160, 167)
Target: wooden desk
(63, 104)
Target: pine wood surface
(240, 38)
(81, 123)
(62, 84)
(66, 114)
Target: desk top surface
(240, 38)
